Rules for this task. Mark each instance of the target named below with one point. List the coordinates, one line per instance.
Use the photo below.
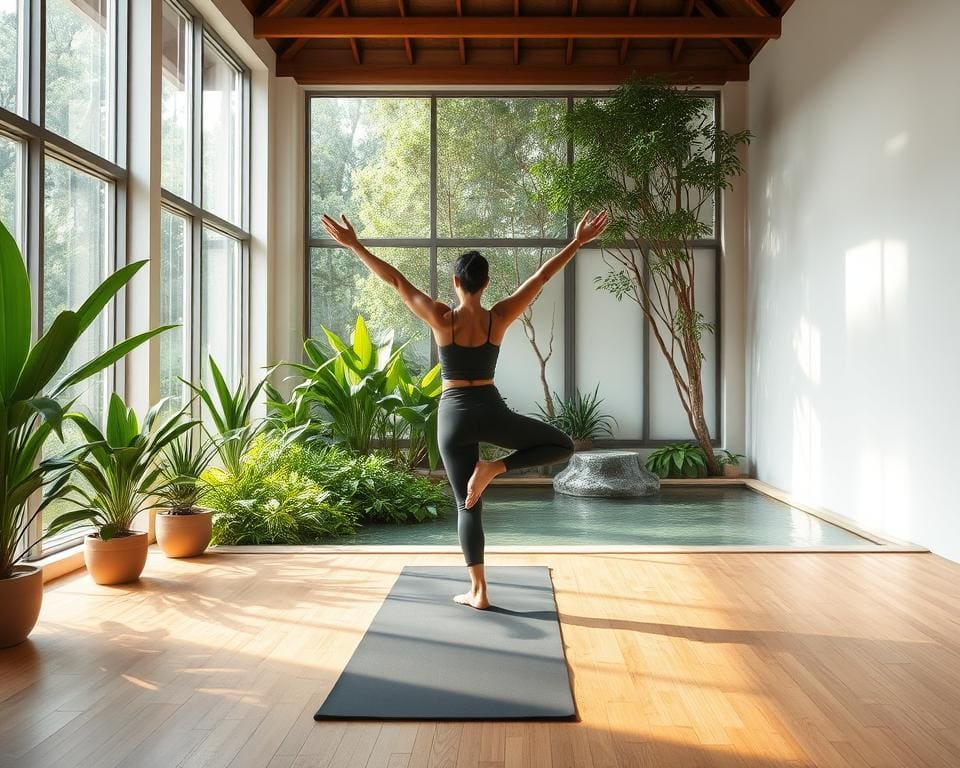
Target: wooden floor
(676, 660)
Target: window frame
(197, 216)
(37, 144)
(434, 243)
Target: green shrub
(267, 503)
(678, 460)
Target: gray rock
(606, 473)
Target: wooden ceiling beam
(406, 41)
(516, 40)
(784, 6)
(678, 43)
(354, 46)
(730, 45)
(321, 9)
(625, 43)
(573, 12)
(275, 8)
(463, 43)
(490, 27)
(319, 73)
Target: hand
(343, 234)
(589, 229)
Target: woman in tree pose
(471, 409)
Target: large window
(62, 178)
(204, 229)
(425, 177)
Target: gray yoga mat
(425, 657)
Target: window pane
(174, 349)
(485, 149)
(222, 137)
(370, 159)
(220, 304)
(11, 54)
(518, 374)
(75, 262)
(11, 175)
(79, 63)
(175, 135)
(341, 287)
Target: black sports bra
(460, 362)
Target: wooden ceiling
(514, 42)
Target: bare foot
(478, 601)
(483, 473)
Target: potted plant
(730, 463)
(678, 460)
(120, 471)
(31, 410)
(183, 529)
(580, 417)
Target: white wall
(853, 269)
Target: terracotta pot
(583, 444)
(115, 561)
(184, 535)
(20, 599)
(731, 470)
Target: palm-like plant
(230, 412)
(30, 406)
(411, 409)
(580, 416)
(184, 461)
(119, 466)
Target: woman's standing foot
(474, 599)
(483, 473)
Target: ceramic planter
(115, 561)
(20, 599)
(583, 444)
(731, 470)
(184, 535)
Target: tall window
(61, 175)
(425, 177)
(204, 235)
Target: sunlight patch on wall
(876, 283)
(806, 346)
(807, 451)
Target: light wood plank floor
(676, 660)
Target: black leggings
(474, 414)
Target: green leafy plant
(677, 460)
(346, 385)
(726, 457)
(230, 412)
(411, 412)
(655, 158)
(119, 467)
(31, 408)
(579, 416)
(184, 462)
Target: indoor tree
(653, 156)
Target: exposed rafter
(354, 45)
(516, 40)
(541, 27)
(321, 9)
(678, 43)
(309, 73)
(573, 12)
(730, 45)
(463, 44)
(406, 41)
(625, 43)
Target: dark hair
(472, 269)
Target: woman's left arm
(419, 303)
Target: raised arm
(512, 307)
(419, 303)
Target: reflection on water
(701, 516)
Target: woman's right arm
(512, 307)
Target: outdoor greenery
(31, 408)
(656, 159)
(580, 416)
(294, 493)
(119, 466)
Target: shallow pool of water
(677, 516)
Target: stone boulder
(607, 473)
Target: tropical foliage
(184, 461)
(678, 460)
(658, 174)
(119, 468)
(580, 416)
(31, 406)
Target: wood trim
(496, 27)
(477, 74)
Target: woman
(471, 409)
